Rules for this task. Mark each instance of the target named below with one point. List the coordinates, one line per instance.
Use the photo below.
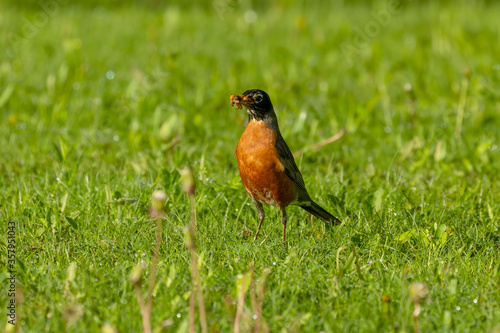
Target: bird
(266, 164)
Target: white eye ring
(258, 98)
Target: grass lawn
(102, 105)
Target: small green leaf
(440, 152)
(64, 201)
(171, 127)
(171, 276)
(377, 199)
(405, 236)
(443, 238)
(424, 238)
(72, 222)
(107, 190)
(482, 152)
(58, 152)
(40, 232)
(44, 222)
(420, 163)
(442, 233)
(71, 272)
(242, 283)
(63, 149)
(6, 94)
(452, 287)
(490, 211)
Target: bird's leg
(260, 213)
(283, 221)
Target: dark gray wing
(286, 158)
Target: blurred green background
(102, 102)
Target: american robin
(267, 168)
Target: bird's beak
(240, 100)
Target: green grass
(82, 154)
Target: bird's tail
(316, 210)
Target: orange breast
(261, 171)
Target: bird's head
(256, 102)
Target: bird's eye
(258, 98)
